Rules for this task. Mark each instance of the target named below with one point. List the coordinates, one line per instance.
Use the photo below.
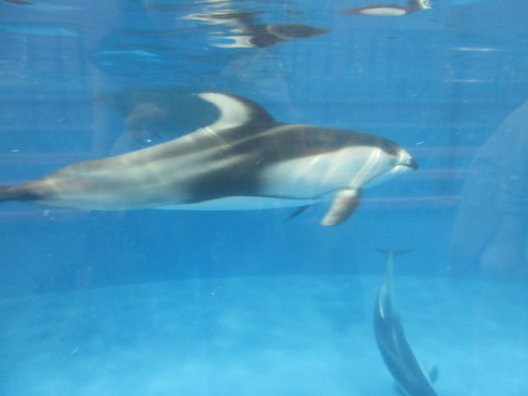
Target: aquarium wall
(228, 197)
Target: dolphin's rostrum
(244, 160)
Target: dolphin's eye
(388, 147)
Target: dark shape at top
(390, 10)
(266, 35)
(19, 2)
(244, 32)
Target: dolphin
(245, 32)
(394, 347)
(19, 2)
(391, 10)
(243, 160)
(264, 35)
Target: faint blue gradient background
(438, 82)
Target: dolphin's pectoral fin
(236, 111)
(343, 205)
(298, 211)
(433, 374)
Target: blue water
(251, 302)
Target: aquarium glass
(247, 197)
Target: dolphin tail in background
(390, 254)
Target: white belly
(242, 203)
(315, 176)
(383, 11)
(306, 180)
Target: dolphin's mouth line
(413, 164)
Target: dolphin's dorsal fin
(236, 111)
(343, 205)
(392, 252)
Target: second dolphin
(393, 345)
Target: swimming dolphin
(391, 9)
(243, 160)
(245, 32)
(394, 347)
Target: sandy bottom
(260, 336)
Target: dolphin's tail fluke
(393, 252)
